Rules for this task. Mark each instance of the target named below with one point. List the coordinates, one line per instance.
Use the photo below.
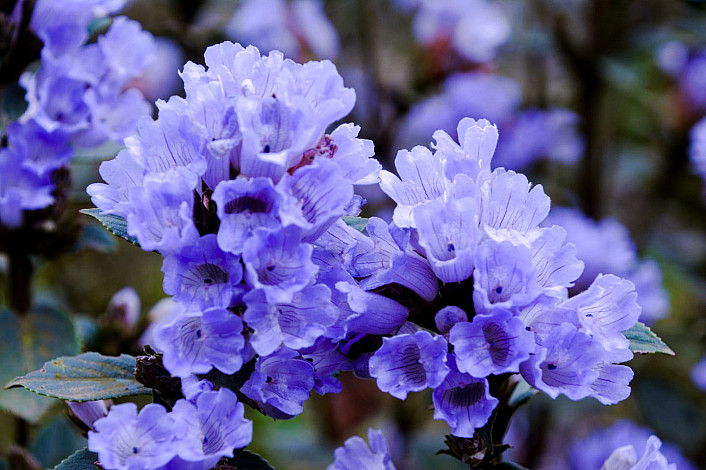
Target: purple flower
(161, 216)
(194, 343)
(242, 206)
(321, 195)
(127, 440)
(421, 179)
(281, 383)
(210, 427)
(356, 455)
(564, 364)
(606, 309)
(327, 362)
(493, 344)
(297, 323)
(508, 201)
(464, 402)
(384, 261)
(278, 263)
(504, 276)
(202, 276)
(448, 232)
(409, 363)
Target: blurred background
(594, 99)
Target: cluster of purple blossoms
(236, 185)
(79, 96)
(605, 247)
(468, 241)
(245, 194)
(298, 28)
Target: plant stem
(19, 282)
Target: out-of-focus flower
(298, 28)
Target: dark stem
(19, 282)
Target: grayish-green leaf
(521, 394)
(358, 223)
(25, 344)
(644, 341)
(12, 104)
(80, 460)
(86, 377)
(114, 223)
(54, 440)
(95, 238)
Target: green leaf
(114, 223)
(80, 460)
(358, 223)
(25, 344)
(86, 377)
(644, 341)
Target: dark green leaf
(25, 344)
(246, 460)
(80, 460)
(88, 376)
(644, 341)
(114, 223)
(358, 223)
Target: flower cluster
(234, 185)
(605, 247)
(502, 301)
(243, 192)
(80, 96)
